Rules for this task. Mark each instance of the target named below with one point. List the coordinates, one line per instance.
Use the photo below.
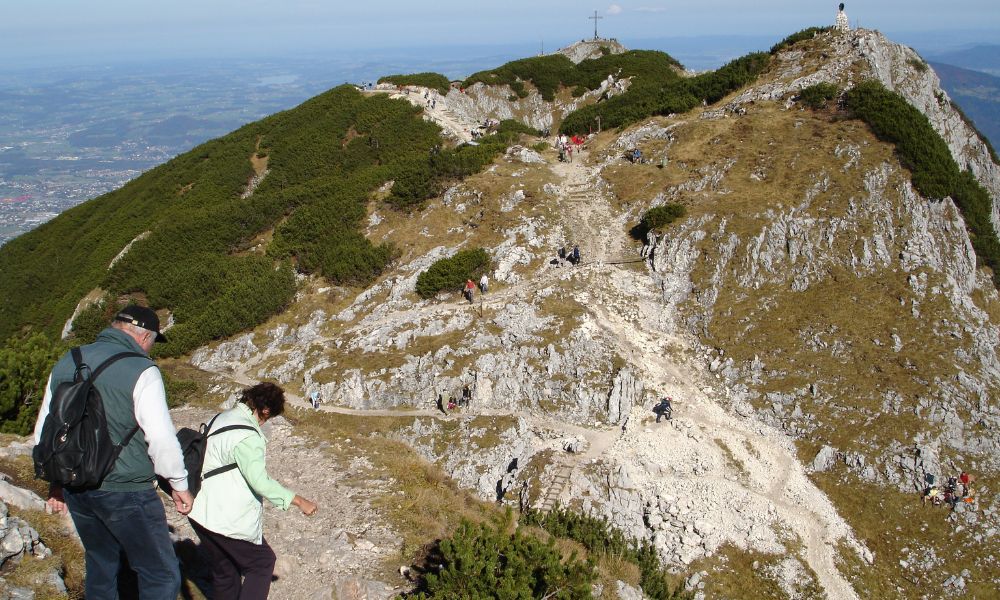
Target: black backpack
(75, 448)
(194, 444)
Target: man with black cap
(125, 515)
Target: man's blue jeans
(110, 523)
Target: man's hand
(183, 501)
(56, 503)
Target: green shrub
(666, 94)
(933, 170)
(663, 215)
(799, 36)
(25, 363)
(600, 538)
(421, 179)
(202, 256)
(435, 81)
(486, 560)
(816, 96)
(551, 72)
(918, 64)
(451, 273)
(92, 320)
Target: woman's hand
(308, 508)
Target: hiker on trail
(228, 513)
(314, 399)
(466, 396)
(444, 401)
(576, 255)
(484, 283)
(470, 290)
(569, 152)
(664, 409)
(124, 515)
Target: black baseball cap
(141, 316)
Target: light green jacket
(231, 503)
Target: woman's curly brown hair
(265, 395)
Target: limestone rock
(824, 459)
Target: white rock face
(590, 49)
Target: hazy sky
(37, 31)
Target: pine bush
(486, 560)
(934, 172)
(452, 273)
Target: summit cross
(595, 18)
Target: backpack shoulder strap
(230, 428)
(230, 466)
(100, 369)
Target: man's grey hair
(131, 328)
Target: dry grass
(732, 574)
(480, 224)
(887, 521)
(67, 554)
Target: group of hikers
(955, 490)
(486, 127)
(469, 291)
(566, 145)
(571, 256)
(446, 402)
(117, 512)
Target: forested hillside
(299, 180)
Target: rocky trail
(767, 468)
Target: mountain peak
(590, 49)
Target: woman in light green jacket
(228, 512)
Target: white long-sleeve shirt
(149, 399)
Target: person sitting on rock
(932, 494)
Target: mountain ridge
(825, 333)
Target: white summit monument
(842, 22)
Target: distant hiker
(664, 409)
(933, 495)
(314, 399)
(484, 283)
(470, 290)
(228, 513)
(576, 255)
(951, 492)
(569, 152)
(124, 515)
(443, 400)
